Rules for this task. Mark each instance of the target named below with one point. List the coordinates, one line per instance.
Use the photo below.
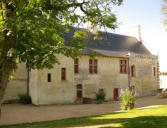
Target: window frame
(123, 67)
(76, 66)
(154, 71)
(63, 73)
(79, 91)
(133, 71)
(49, 77)
(93, 66)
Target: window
(93, 66)
(90, 66)
(154, 72)
(79, 91)
(63, 74)
(123, 66)
(132, 71)
(49, 77)
(76, 65)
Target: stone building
(163, 80)
(82, 77)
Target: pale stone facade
(47, 86)
(108, 77)
(18, 85)
(56, 91)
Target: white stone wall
(108, 76)
(34, 86)
(64, 91)
(144, 81)
(57, 91)
(18, 85)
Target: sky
(148, 14)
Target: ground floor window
(79, 91)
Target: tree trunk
(28, 81)
(7, 62)
(4, 78)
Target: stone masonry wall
(57, 91)
(18, 84)
(144, 81)
(108, 77)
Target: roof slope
(110, 43)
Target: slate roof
(111, 44)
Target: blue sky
(148, 14)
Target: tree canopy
(37, 27)
(31, 31)
(164, 11)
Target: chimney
(139, 32)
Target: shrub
(100, 96)
(162, 93)
(128, 100)
(24, 99)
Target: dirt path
(16, 113)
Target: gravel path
(16, 113)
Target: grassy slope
(139, 118)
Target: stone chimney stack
(139, 32)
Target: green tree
(31, 31)
(164, 11)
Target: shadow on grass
(137, 122)
(146, 122)
(124, 119)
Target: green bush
(24, 99)
(100, 96)
(162, 93)
(128, 100)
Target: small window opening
(63, 74)
(49, 77)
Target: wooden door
(115, 92)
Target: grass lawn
(138, 118)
